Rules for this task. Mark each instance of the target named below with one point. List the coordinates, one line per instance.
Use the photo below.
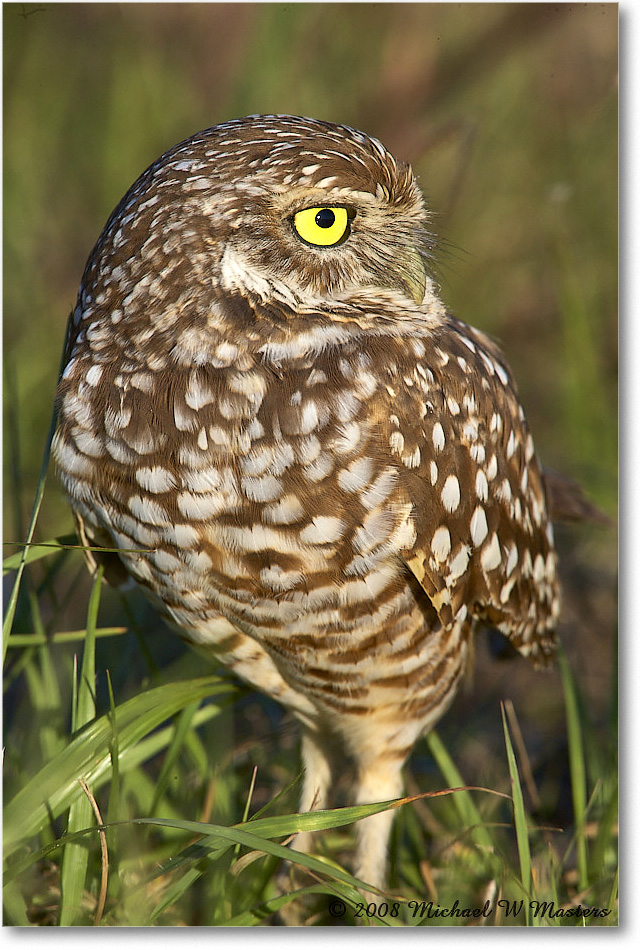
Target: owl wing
(466, 463)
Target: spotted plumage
(310, 466)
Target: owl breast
(264, 496)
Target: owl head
(273, 208)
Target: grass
(102, 831)
(509, 115)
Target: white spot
(200, 507)
(491, 555)
(148, 511)
(450, 493)
(470, 430)
(376, 529)
(412, 459)
(202, 439)
(165, 561)
(198, 394)
(537, 509)
(87, 443)
(225, 354)
(202, 480)
(277, 579)
(397, 442)
(69, 368)
(94, 374)
(118, 451)
(453, 405)
(247, 384)
(529, 448)
(491, 468)
(478, 526)
(512, 559)
(459, 563)
(551, 567)
(116, 420)
(461, 614)
(468, 342)
(438, 437)
(285, 511)
(254, 429)
(320, 468)
(499, 369)
(379, 491)
(504, 493)
(316, 378)
(478, 453)
(510, 448)
(185, 421)
(155, 479)
(346, 406)
(487, 363)
(367, 384)
(262, 489)
(309, 417)
(347, 439)
(505, 592)
(524, 481)
(434, 472)
(142, 381)
(539, 569)
(481, 485)
(323, 530)
(183, 535)
(357, 475)
(220, 436)
(71, 462)
(440, 544)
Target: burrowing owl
(327, 477)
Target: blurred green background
(508, 113)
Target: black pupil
(324, 218)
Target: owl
(313, 469)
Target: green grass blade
(40, 490)
(218, 836)
(76, 855)
(519, 816)
(577, 768)
(180, 730)
(26, 640)
(55, 786)
(34, 552)
(463, 800)
(14, 906)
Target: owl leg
(378, 780)
(316, 783)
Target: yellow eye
(322, 227)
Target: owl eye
(323, 227)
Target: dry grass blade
(104, 854)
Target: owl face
(278, 208)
